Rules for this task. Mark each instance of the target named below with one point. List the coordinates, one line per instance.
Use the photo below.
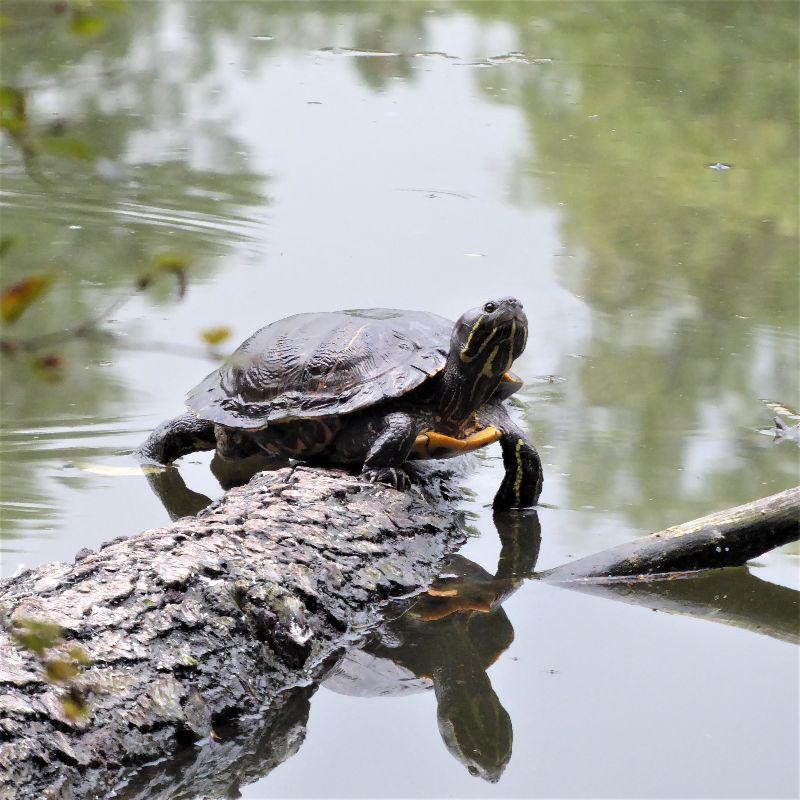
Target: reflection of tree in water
(140, 159)
(691, 273)
(156, 174)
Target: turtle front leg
(396, 435)
(522, 483)
(177, 437)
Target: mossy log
(203, 621)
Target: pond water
(628, 169)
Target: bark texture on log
(205, 620)
(724, 539)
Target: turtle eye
(489, 308)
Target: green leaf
(17, 297)
(6, 243)
(176, 264)
(66, 146)
(215, 336)
(35, 635)
(84, 23)
(13, 114)
(50, 367)
(60, 671)
(78, 655)
(74, 706)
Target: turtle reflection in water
(446, 641)
(371, 388)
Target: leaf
(172, 262)
(780, 408)
(13, 116)
(6, 243)
(35, 635)
(66, 146)
(86, 24)
(74, 705)
(17, 297)
(215, 336)
(176, 264)
(78, 655)
(60, 671)
(50, 367)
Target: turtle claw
(392, 476)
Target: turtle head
(485, 342)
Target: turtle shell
(324, 364)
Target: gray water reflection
(297, 176)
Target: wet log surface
(204, 621)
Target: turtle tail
(177, 437)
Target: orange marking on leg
(433, 442)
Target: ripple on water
(488, 61)
(65, 439)
(65, 209)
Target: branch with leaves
(21, 295)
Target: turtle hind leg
(177, 437)
(522, 483)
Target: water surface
(628, 169)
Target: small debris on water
(780, 408)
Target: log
(235, 613)
(724, 539)
(204, 621)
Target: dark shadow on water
(732, 596)
(242, 753)
(181, 501)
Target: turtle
(370, 388)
